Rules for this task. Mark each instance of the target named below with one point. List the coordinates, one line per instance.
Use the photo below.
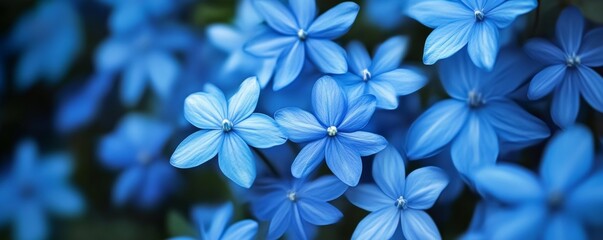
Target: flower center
(555, 200)
(332, 131)
(479, 15)
(475, 99)
(572, 61)
(302, 34)
(366, 75)
(400, 203)
(292, 196)
(226, 125)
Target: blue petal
(289, 65)
(508, 184)
(242, 230)
(328, 56)
(260, 131)
(224, 37)
(219, 220)
(325, 188)
(329, 102)
(591, 86)
(544, 51)
(113, 55)
(334, 22)
(586, 199)
(160, 181)
(268, 44)
(475, 146)
(514, 124)
(385, 94)
(364, 143)
(30, 222)
(416, 224)
(459, 75)
(127, 185)
(242, 104)
(29, 69)
(65, 201)
(591, 51)
(197, 148)
(437, 13)
(404, 81)
(281, 221)
(26, 155)
(546, 80)
(369, 197)
(483, 44)
(378, 225)
(266, 71)
(236, 161)
(424, 185)
(389, 55)
(446, 40)
(524, 222)
(343, 161)
(57, 166)
(133, 83)
(299, 125)
(358, 58)
(389, 172)
(359, 114)
(564, 226)
(570, 28)
(277, 16)
(566, 101)
(309, 158)
(318, 213)
(126, 17)
(163, 72)
(205, 110)
(264, 207)
(435, 128)
(506, 76)
(115, 153)
(505, 13)
(304, 11)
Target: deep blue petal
(508, 184)
(591, 86)
(505, 13)
(318, 213)
(566, 101)
(281, 221)
(309, 158)
(389, 55)
(544, 51)
(476, 146)
(325, 188)
(514, 124)
(163, 72)
(389, 172)
(133, 83)
(334, 22)
(546, 80)
(570, 28)
(564, 226)
(343, 161)
(327, 55)
(30, 222)
(127, 185)
(385, 94)
(378, 225)
(369, 197)
(423, 187)
(591, 51)
(242, 230)
(416, 225)
(586, 200)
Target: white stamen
(572, 61)
(475, 99)
(366, 75)
(302, 34)
(479, 15)
(332, 131)
(292, 196)
(226, 125)
(401, 203)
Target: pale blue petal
(163, 72)
(544, 51)
(591, 51)
(325, 188)
(446, 40)
(512, 123)
(266, 71)
(483, 44)
(404, 81)
(289, 65)
(334, 22)
(236, 161)
(218, 221)
(308, 158)
(423, 187)
(260, 131)
(115, 153)
(476, 146)
(563, 226)
(389, 54)
(369, 197)
(378, 225)
(389, 172)
(566, 101)
(359, 114)
(277, 16)
(546, 80)
(364, 143)
(205, 110)
(329, 102)
(242, 230)
(437, 13)
(569, 30)
(25, 155)
(197, 148)
(591, 86)
(508, 184)
(30, 222)
(225, 37)
(127, 185)
(358, 58)
(268, 44)
(435, 128)
(133, 83)
(327, 55)
(318, 213)
(304, 11)
(280, 221)
(586, 199)
(416, 225)
(299, 125)
(126, 17)
(524, 222)
(505, 13)
(343, 161)
(112, 55)
(242, 104)
(385, 94)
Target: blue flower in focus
(211, 224)
(474, 23)
(295, 205)
(381, 76)
(227, 129)
(333, 133)
(135, 148)
(34, 188)
(559, 205)
(296, 32)
(569, 73)
(145, 56)
(129, 14)
(479, 115)
(48, 44)
(398, 201)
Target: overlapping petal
(260, 131)
(335, 22)
(389, 172)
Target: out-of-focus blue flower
(211, 224)
(569, 73)
(333, 133)
(129, 14)
(296, 32)
(479, 115)
(295, 205)
(380, 76)
(34, 188)
(145, 57)
(386, 14)
(556, 206)
(398, 201)
(48, 44)
(135, 148)
(227, 130)
(474, 23)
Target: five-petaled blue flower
(333, 134)
(569, 72)
(475, 23)
(479, 115)
(381, 76)
(135, 147)
(227, 129)
(294, 205)
(296, 33)
(211, 224)
(559, 205)
(32, 189)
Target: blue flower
(135, 148)
(227, 129)
(296, 204)
(34, 188)
(474, 23)
(333, 134)
(129, 14)
(398, 201)
(381, 76)
(211, 224)
(559, 204)
(296, 32)
(569, 72)
(49, 44)
(479, 115)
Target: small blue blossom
(569, 73)
(34, 188)
(479, 115)
(129, 14)
(472, 23)
(211, 224)
(555, 206)
(332, 133)
(380, 76)
(295, 33)
(227, 129)
(398, 201)
(135, 148)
